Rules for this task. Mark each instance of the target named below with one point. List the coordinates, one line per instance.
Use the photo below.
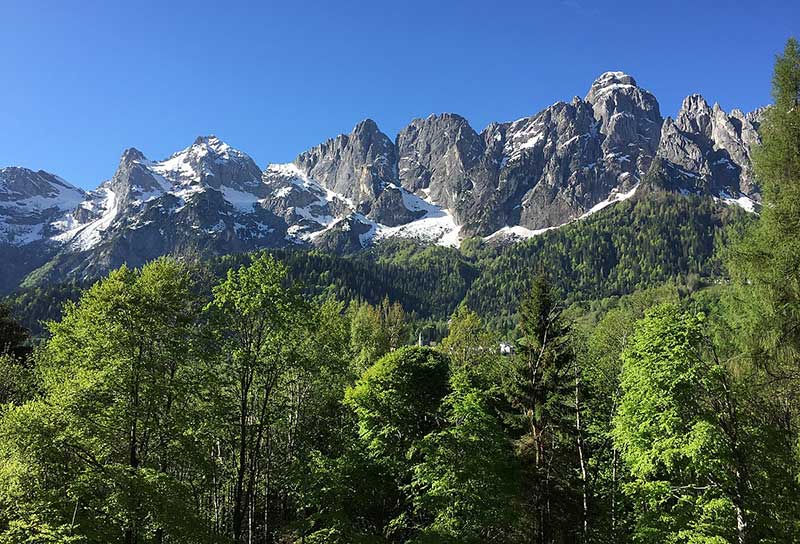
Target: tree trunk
(741, 525)
(581, 457)
(238, 492)
(614, 494)
(739, 504)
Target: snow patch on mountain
(30, 201)
(743, 201)
(437, 225)
(240, 200)
(517, 231)
(613, 198)
(520, 232)
(86, 236)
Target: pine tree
(540, 388)
(769, 255)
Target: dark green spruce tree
(540, 388)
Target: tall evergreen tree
(769, 255)
(540, 387)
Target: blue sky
(83, 80)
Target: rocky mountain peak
(695, 115)
(357, 166)
(609, 81)
(707, 150)
(694, 103)
(757, 115)
(628, 116)
(437, 180)
(30, 201)
(214, 148)
(366, 127)
(210, 162)
(436, 156)
(131, 155)
(19, 182)
(211, 147)
(207, 140)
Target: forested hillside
(647, 392)
(652, 239)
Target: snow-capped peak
(209, 161)
(610, 82)
(213, 145)
(613, 78)
(19, 182)
(30, 200)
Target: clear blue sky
(82, 80)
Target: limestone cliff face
(707, 150)
(438, 180)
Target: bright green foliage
(666, 433)
(225, 404)
(18, 382)
(307, 412)
(260, 326)
(703, 458)
(375, 331)
(397, 401)
(393, 319)
(601, 365)
(467, 482)
(473, 349)
(112, 441)
(368, 340)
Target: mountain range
(438, 180)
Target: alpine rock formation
(30, 203)
(439, 180)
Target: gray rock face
(206, 198)
(439, 180)
(347, 235)
(551, 164)
(706, 150)
(390, 209)
(629, 116)
(30, 201)
(357, 166)
(437, 157)
(539, 171)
